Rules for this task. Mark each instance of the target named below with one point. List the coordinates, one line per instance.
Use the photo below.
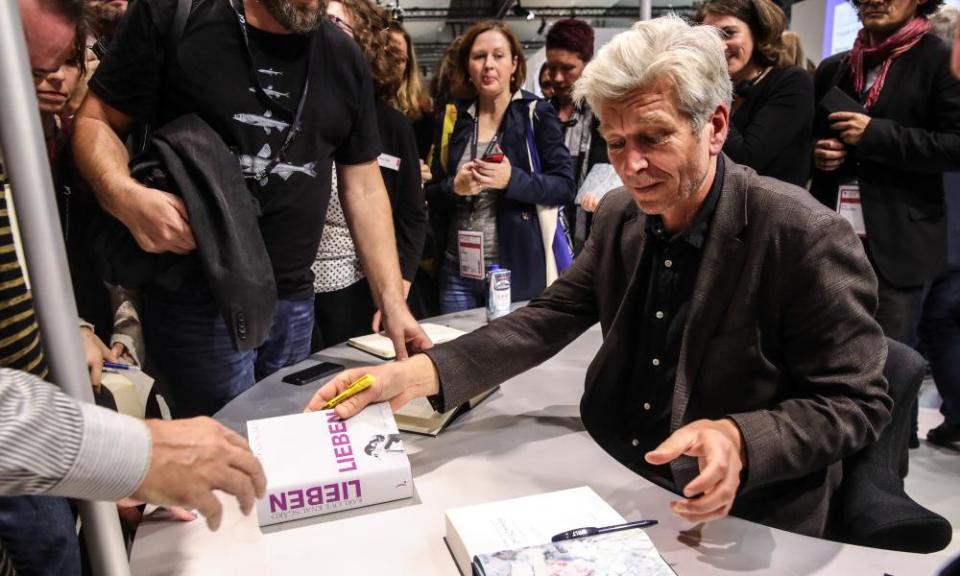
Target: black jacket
(521, 245)
(403, 186)
(186, 157)
(913, 137)
(770, 131)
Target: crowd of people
(241, 183)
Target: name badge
(849, 206)
(389, 162)
(470, 243)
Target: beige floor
(934, 479)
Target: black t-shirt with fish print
(211, 75)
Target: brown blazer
(780, 337)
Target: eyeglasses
(341, 24)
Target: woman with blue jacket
(499, 178)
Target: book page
(624, 553)
(601, 179)
(529, 521)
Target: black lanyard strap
(295, 127)
(476, 134)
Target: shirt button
(646, 406)
(668, 263)
(635, 442)
(659, 315)
(656, 362)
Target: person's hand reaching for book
(394, 382)
(718, 447)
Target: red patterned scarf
(864, 56)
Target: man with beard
(882, 166)
(740, 359)
(107, 15)
(289, 93)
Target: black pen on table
(593, 531)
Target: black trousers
(342, 314)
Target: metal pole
(646, 9)
(29, 172)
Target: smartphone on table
(312, 373)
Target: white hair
(666, 48)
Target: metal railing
(25, 157)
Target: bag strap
(180, 17)
(533, 158)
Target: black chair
(871, 507)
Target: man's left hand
(849, 125)
(95, 352)
(718, 446)
(404, 331)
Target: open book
(624, 553)
(382, 347)
(419, 417)
(509, 527)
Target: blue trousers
(940, 334)
(192, 348)
(39, 533)
(457, 293)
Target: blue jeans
(39, 533)
(457, 293)
(940, 334)
(192, 348)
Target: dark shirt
(213, 75)
(666, 275)
(771, 129)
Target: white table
(525, 439)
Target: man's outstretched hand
(718, 446)
(192, 458)
(394, 382)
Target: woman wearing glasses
(772, 121)
(501, 178)
(344, 307)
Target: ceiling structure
(433, 24)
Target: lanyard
(294, 129)
(476, 135)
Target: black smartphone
(313, 373)
(836, 100)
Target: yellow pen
(358, 386)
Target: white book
(522, 522)
(317, 464)
(382, 347)
(601, 179)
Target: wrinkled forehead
(652, 105)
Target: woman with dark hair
(773, 107)
(344, 306)
(501, 178)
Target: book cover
(624, 553)
(317, 464)
(419, 417)
(522, 522)
(382, 347)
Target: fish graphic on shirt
(252, 165)
(267, 121)
(269, 91)
(270, 72)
